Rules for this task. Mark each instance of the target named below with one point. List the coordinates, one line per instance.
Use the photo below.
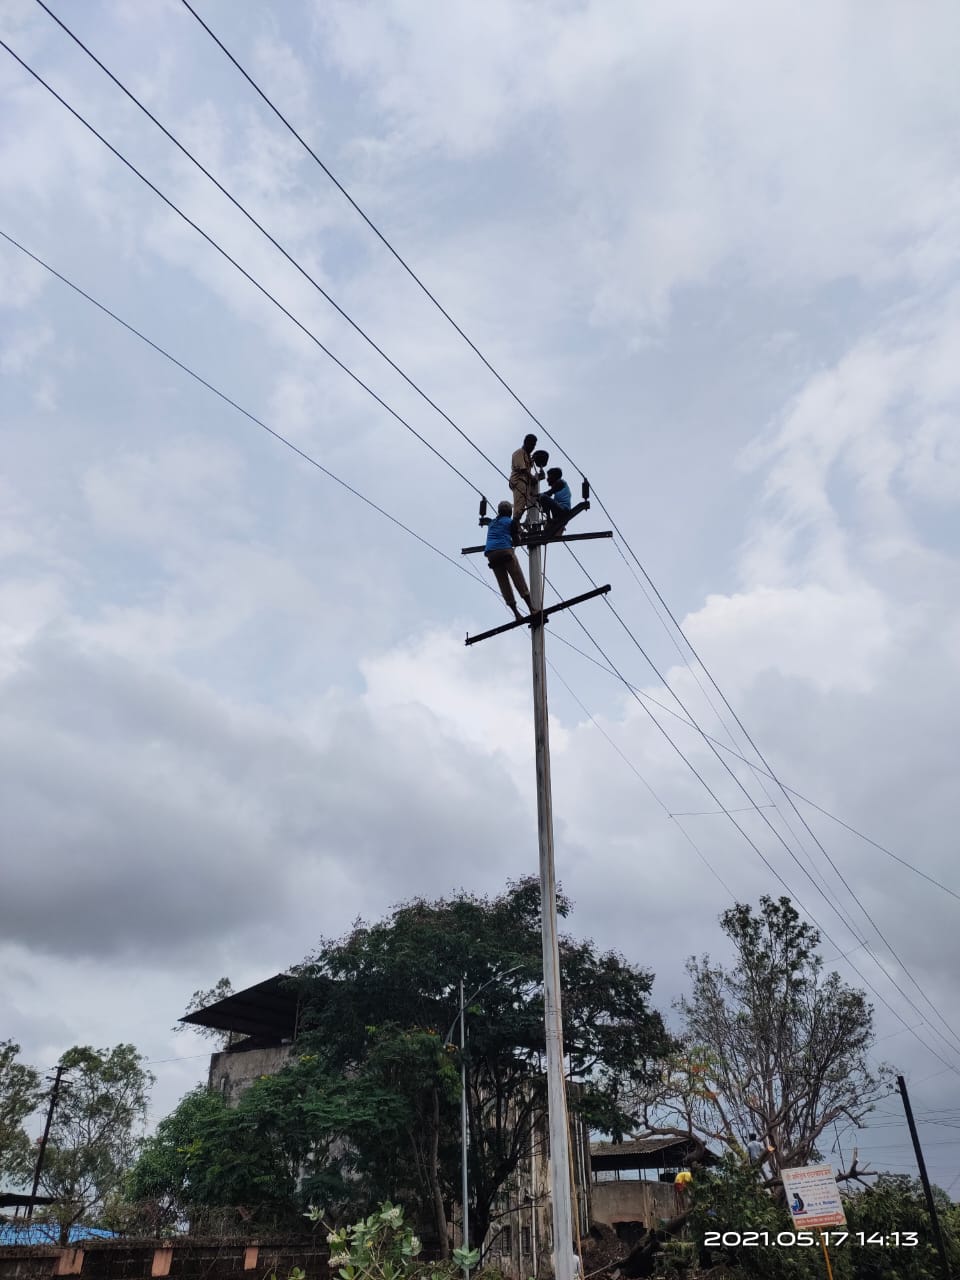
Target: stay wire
(276, 243)
(533, 418)
(222, 395)
(833, 906)
(246, 274)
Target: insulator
(585, 490)
(483, 507)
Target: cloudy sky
(714, 249)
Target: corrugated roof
(649, 1151)
(267, 1010)
(636, 1146)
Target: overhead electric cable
(246, 274)
(671, 636)
(457, 564)
(374, 395)
(263, 230)
(759, 769)
(767, 770)
(833, 906)
(633, 768)
(693, 769)
(314, 462)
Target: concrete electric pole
(560, 1164)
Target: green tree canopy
(96, 1131)
(19, 1097)
(387, 980)
(368, 1109)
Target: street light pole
(464, 1137)
(464, 1133)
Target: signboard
(813, 1196)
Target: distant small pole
(41, 1150)
(931, 1206)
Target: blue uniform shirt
(500, 534)
(561, 496)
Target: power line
(246, 274)
(759, 769)
(319, 466)
(262, 229)
(768, 823)
(246, 412)
(633, 768)
(308, 333)
(392, 364)
(266, 99)
(756, 848)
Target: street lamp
(464, 1185)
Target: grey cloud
(139, 812)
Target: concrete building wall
(520, 1240)
(232, 1073)
(633, 1200)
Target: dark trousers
(506, 566)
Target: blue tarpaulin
(48, 1233)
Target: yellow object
(682, 1178)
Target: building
(520, 1240)
(632, 1184)
(264, 1021)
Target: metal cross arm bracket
(539, 616)
(539, 542)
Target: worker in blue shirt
(502, 559)
(556, 501)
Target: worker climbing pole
(504, 533)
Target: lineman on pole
(502, 559)
(523, 472)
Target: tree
(96, 1130)
(200, 1000)
(19, 1097)
(291, 1140)
(770, 1046)
(730, 1198)
(390, 991)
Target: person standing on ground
(502, 559)
(522, 474)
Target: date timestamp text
(807, 1239)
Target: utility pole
(931, 1206)
(560, 1165)
(464, 1133)
(560, 1189)
(464, 1181)
(41, 1150)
